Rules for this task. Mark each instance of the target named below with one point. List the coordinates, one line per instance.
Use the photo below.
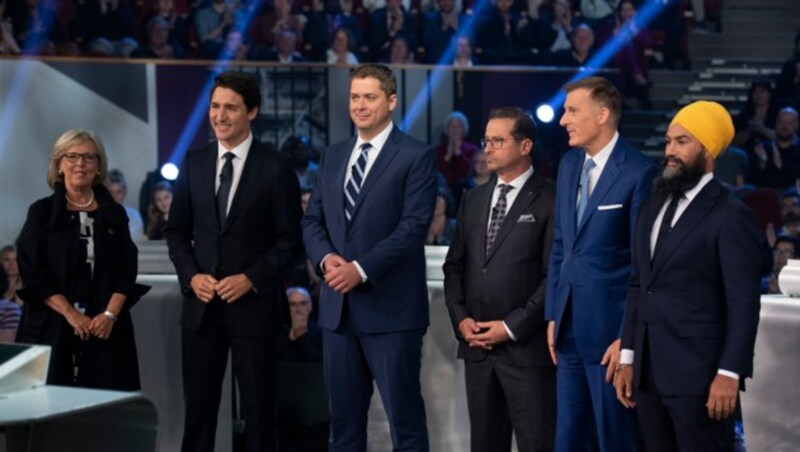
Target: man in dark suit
(693, 303)
(364, 230)
(599, 191)
(495, 276)
(233, 227)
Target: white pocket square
(527, 218)
(609, 207)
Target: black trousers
(678, 423)
(503, 399)
(205, 357)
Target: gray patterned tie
(498, 215)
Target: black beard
(678, 181)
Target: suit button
(484, 270)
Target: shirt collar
(379, 140)
(239, 151)
(602, 157)
(519, 181)
(692, 192)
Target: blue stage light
(170, 171)
(545, 113)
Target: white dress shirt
(511, 196)
(627, 355)
(240, 152)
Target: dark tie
(583, 189)
(666, 222)
(498, 215)
(353, 187)
(224, 191)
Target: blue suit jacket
(698, 300)
(591, 261)
(386, 234)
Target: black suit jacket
(259, 238)
(509, 283)
(698, 301)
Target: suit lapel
(528, 193)
(387, 154)
(250, 174)
(338, 161)
(607, 179)
(208, 174)
(697, 209)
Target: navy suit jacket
(386, 234)
(590, 262)
(698, 301)
(260, 236)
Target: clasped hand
(230, 288)
(485, 335)
(85, 327)
(340, 275)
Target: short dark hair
(379, 71)
(602, 92)
(524, 125)
(115, 176)
(784, 239)
(243, 83)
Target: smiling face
(229, 117)
(370, 107)
(82, 173)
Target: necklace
(80, 206)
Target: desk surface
(47, 402)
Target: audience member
(440, 28)
(454, 153)
(400, 52)
(442, 228)
(732, 167)
(157, 43)
(347, 18)
(789, 204)
(317, 32)
(670, 20)
(35, 26)
(99, 47)
(384, 24)
(463, 55)
(554, 34)
(268, 27)
(8, 45)
(787, 89)
(756, 121)
(210, 23)
(236, 47)
(9, 313)
(8, 262)
(299, 149)
(158, 211)
(631, 58)
(505, 36)
(110, 19)
(118, 188)
(778, 160)
(783, 250)
(177, 20)
(582, 49)
(342, 47)
(285, 50)
(302, 339)
(594, 12)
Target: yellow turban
(709, 122)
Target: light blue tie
(583, 188)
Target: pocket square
(527, 218)
(609, 207)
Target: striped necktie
(353, 187)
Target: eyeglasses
(496, 142)
(88, 158)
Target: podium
(39, 417)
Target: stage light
(169, 171)
(545, 113)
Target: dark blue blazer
(698, 301)
(591, 261)
(386, 234)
